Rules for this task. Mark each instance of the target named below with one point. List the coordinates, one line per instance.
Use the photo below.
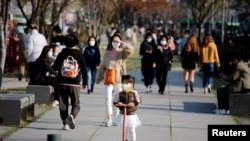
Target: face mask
(50, 54)
(125, 86)
(56, 53)
(149, 40)
(91, 43)
(115, 44)
(163, 42)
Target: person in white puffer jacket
(34, 46)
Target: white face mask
(149, 40)
(91, 43)
(50, 54)
(115, 44)
(125, 86)
(163, 42)
(56, 53)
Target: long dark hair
(44, 55)
(93, 38)
(110, 47)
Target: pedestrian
(35, 43)
(45, 74)
(92, 54)
(208, 58)
(71, 68)
(147, 61)
(183, 41)
(190, 59)
(112, 67)
(163, 61)
(58, 37)
(239, 82)
(129, 99)
(23, 61)
(54, 51)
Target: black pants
(223, 97)
(161, 77)
(66, 92)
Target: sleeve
(83, 71)
(98, 56)
(116, 99)
(216, 57)
(137, 97)
(100, 73)
(127, 50)
(28, 47)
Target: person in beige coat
(115, 59)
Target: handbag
(110, 77)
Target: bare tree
(97, 13)
(202, 11)
(4, 5)
(42, 8)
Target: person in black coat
(163, 60)
(147, 61)
(92, 54)
(44, 74)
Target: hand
(84, 86)
(131, 105)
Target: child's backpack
(70, 67)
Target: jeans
(91, 72)
(208, 71)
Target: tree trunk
(3, 50)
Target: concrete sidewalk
(174, 116)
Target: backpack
(70, 67)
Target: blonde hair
(192, 44)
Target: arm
(127, 50)
(28, 47)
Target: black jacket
(76, 53)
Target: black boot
(186, 87)
(191, 87)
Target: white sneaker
(150, 90)
(205, 90)
(228, 112)
(71, 122)
(55, 103)
(108, 123)
(66, 127)
(221, 112)
(215, 110)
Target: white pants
(109, 98)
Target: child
(130, 99)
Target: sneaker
(209, 90)
(221, 112)
(150, 90)
(55, 103)
(66, 127)
(147, 90)
(71, 122)
(215, 110)
(228, 112)
(205, 90)
(108, 123)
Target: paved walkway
(174, 116)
